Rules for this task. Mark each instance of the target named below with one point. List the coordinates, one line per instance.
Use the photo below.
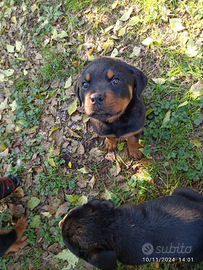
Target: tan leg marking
(133, 146)
(111, 144)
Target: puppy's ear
(77, 92)
(105, 260)
(140, 80)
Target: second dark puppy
(110, 90)
(165, 229)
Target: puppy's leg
(111, 144)
(188, 193)
(133, 146)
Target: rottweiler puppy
(166, 229)
(12, 240)
(110, 90)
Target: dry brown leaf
(92, 182)
(82, 183)
(63, 209)
(19, 192)
(110, 156)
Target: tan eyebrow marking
(87, 77)
(110, 74)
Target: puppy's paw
(133, 148)
(111, 144)
(21, 226)
(134, 153)
(20, 243)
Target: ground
(47, 140)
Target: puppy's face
(86, 231)
(106, 87)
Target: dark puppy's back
(167, 224)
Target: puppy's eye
(115, 81)
(85, 84)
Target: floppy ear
(77, 92)
(105, 260)
(140, 80)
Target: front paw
(135, 153)
(21, 225)
(111, 144)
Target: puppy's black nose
(97, 98)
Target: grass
(59, 37)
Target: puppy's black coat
(110, 90)
(168, 227)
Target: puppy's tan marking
(111, 144)
(110, 74)
(87, 77)
(133, 146)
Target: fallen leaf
(51, 162)
(68, 82)
(82, 200)
(67, 255)
(82, 183)
(122, 31)
(35, 221)
(136, 52)
(126, 15)
(33, 202)
(107, 194)
(176, 24)
(13, 19)
(196, 142)
(3, 104)
(110, 156)
(52, 130)
(148, 112)
(19, 192)
(160, 81)
(191, 50)
(63, 209)
(92, 182)
(183, 104)
(10, 48)
(82, 170)
(72, 107)
(134, 20)
(197, 89)
(114, 52)
(147, 41)
(115, 170)
(166, 118)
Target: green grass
(61, 33)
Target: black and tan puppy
(165, 229)
(110, 90)
(12, 240)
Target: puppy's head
(106, 87)
(87, 231)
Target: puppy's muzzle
(97, 99)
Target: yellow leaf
(53, 129)
(121, 32)
(51, 162)
(33, 7)
(72, 107)
(2, 146)
(197, 142)
(13, 19)
(148, 112)
(69, 164)
(73, 134)
(18, 128)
